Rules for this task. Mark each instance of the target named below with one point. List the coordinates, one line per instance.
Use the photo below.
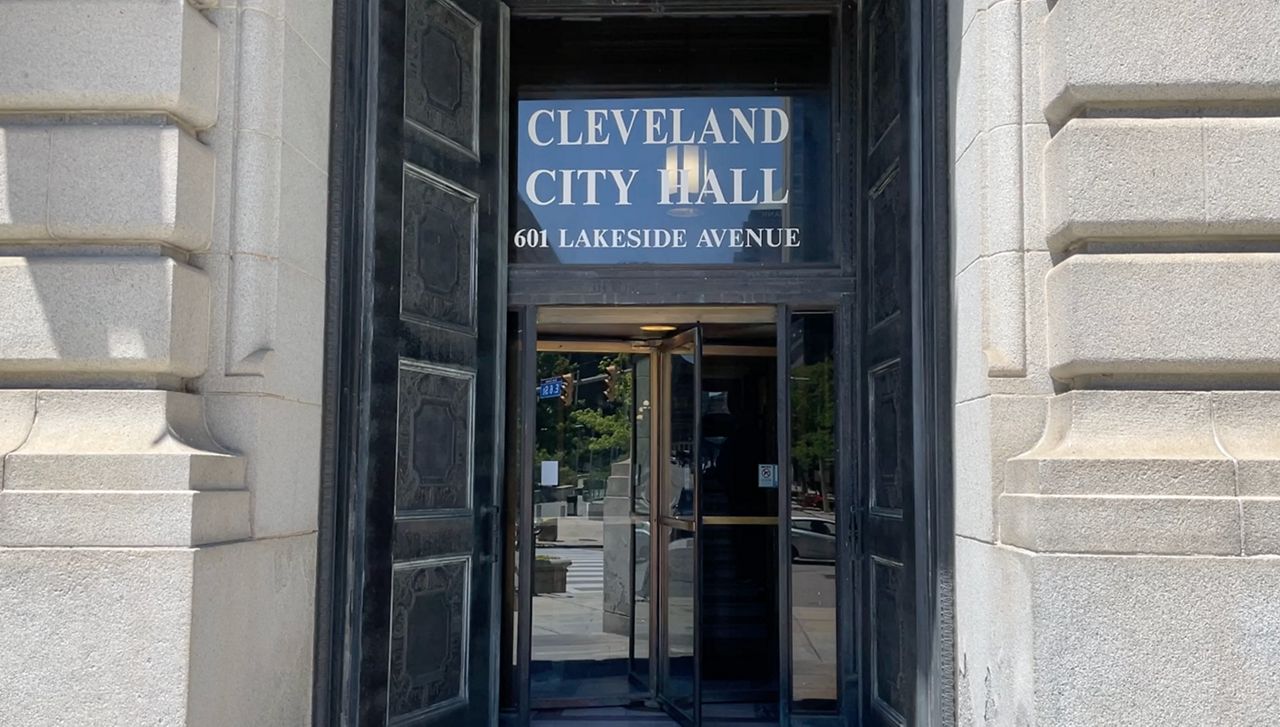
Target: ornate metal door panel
(886, 470)
(434, 291)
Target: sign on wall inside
(693, 180)
(767, 476)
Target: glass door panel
(815, 522)
(642, 458)
(582, 594)
(738, 532)
(681, 357)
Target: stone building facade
(163, 235)
(1114, 192)
(1115, 204)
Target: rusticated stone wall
(162, 227)
(1117, 237)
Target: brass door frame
(590, 346)
(666, 315)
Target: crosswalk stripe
(586, 574)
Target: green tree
(590, 431)
(608, 424)
(552, 438)
(813, 424)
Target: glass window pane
(640, 624)
(678, 607)
(739, 619)
(739, 566)
(642, 405)
(705, 180)
(678, 483)
(582, 595)
(739, 433)
(813, 513)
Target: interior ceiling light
(657, 328)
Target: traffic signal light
(611, 381)
(566, 391)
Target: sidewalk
(576, 532)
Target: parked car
(813, 538)
(812, 499)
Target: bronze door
(426, 419)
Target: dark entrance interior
(438, 311)
(739, 565)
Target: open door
(678, 511)
(892, 571)
(641, 584)
(428, 342)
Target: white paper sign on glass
(550, 473)
(767, 476)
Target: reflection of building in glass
(790, 178)
(762, 217)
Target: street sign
(550, 388)
(767, 476)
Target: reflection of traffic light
(566, 391)
(611, 381)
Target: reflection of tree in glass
(552, 427)
(609, 425)
(591, 431)
(813, 430)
